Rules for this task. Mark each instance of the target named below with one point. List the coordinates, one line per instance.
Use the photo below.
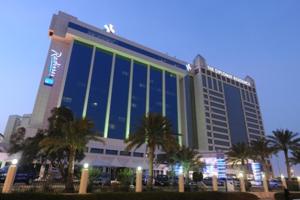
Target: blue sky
(256, 38)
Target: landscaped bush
(280, 196)
(132, 196)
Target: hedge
(133, 196)
(280, 196)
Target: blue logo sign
(53, 67)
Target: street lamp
(10, 176)
(138, 179)
(84, 179)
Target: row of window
(115, 152)
(107, 99)
(228, 80)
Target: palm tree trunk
(266, 168)
(151, 158)
(288, 168)
(69, 187)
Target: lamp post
(283, 181)
(84, 179)
(138, 179)
(10, 177)
(242, 182)
(215, 181)
(265, 182)
(181, 180)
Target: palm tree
(188, 158)
(295, 159)
(238, 155)
(156, 132)
(69, 134)
(284, 140)
(261, 150)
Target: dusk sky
(256, 38)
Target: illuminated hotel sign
(53, 67)
(228, 75)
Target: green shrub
(133, 196)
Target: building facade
(114, 82)
(226, 109)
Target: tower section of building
(226, 109)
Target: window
(251, 120)
(222, 130)
(155, 105)
(96, 150)
(215, 93)
(218, 111)
(250, 109)
(235, 114)
(97, 103)
(223, 143)
(138, 97)
(253, 126)
(218, 117)
(220, 136)
(215, 84)
(119, 99)
(216, 99)
(210, 141)
(219, 123)
(251, 115)
(209, 82)
(137, 154)
(171, 99)
(125, 153)
(111, 152)
(77, 77)
(217, 105)
(253, 131)
(204, 81)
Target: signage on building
(53, 67)
(109, 28)
(188, 67)
(228, 75)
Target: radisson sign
(228, 75)
(53, 67)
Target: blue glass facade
(139, 93)
(155, 90)
(108, 103)
(76, 81)
(235, 114)
(98, 94)
(171, 99)
(119, 99)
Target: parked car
(161, 180)
(208, 181)
(103, 179)
(275, 183)
(24, 174)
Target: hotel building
(114, 82)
